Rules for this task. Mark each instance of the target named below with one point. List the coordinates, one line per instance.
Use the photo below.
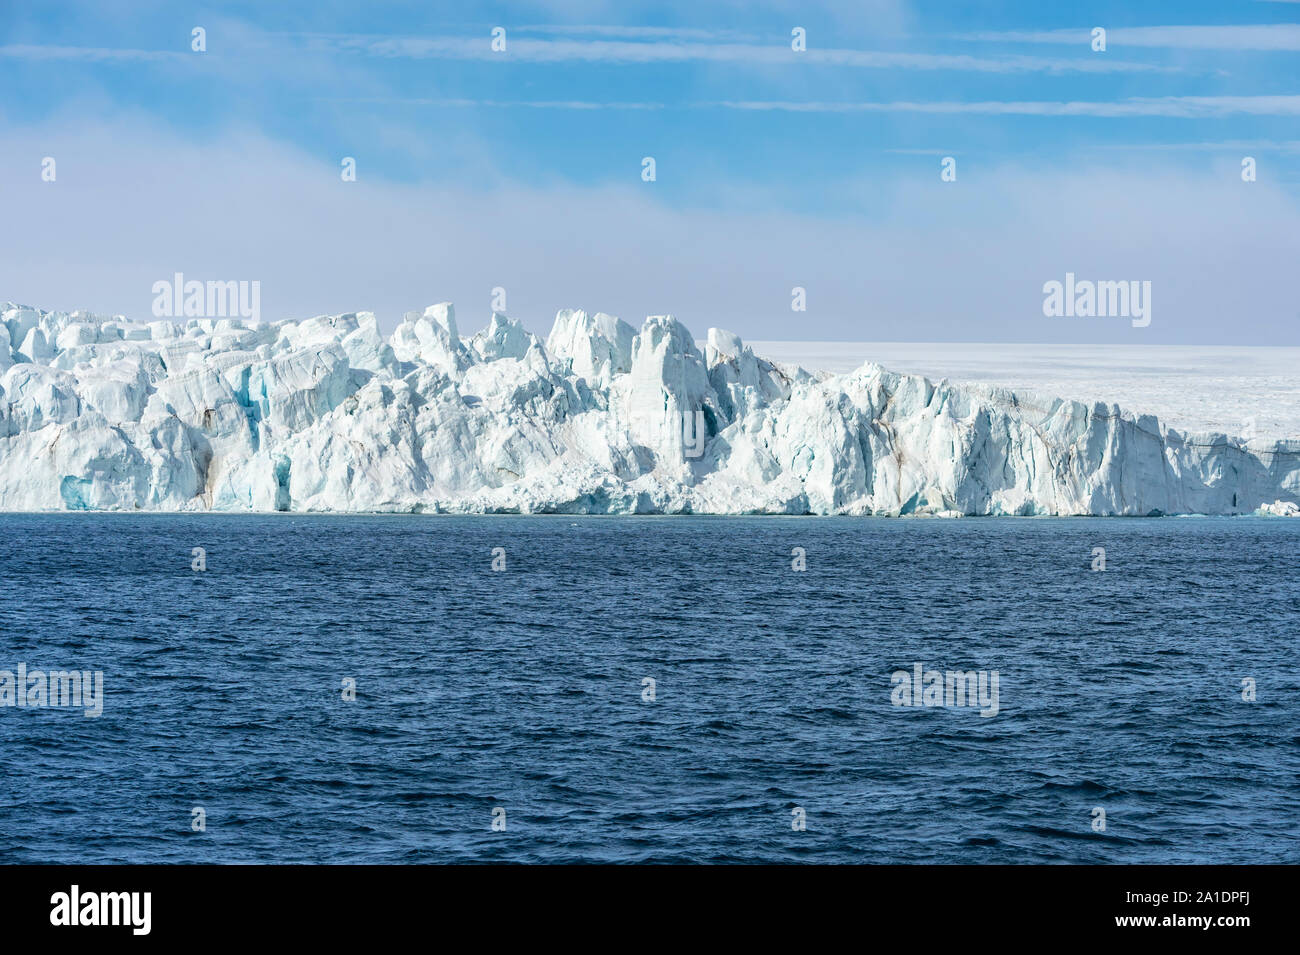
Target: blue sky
(775, 168)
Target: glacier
(327, 414)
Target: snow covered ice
(328, 415)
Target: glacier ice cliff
(328, 415)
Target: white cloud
(637, 32)
(956, 261)
(1273, 36)
(1289, 146)
(673, 49)
(37, 51)
(460, 102)
(1185, 107)
(1188, 107)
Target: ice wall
(328, 415)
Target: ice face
(328, 415)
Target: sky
(523, 169)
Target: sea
(556, 689)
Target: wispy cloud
(460, 102)
(1275, 36)
(1291, 146)
(1188, 107)
(924, 152)
(549, 50)
(1184, 107)
(36, 51)
(638, 32)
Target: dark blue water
(522, 689)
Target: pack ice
(327, 415)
